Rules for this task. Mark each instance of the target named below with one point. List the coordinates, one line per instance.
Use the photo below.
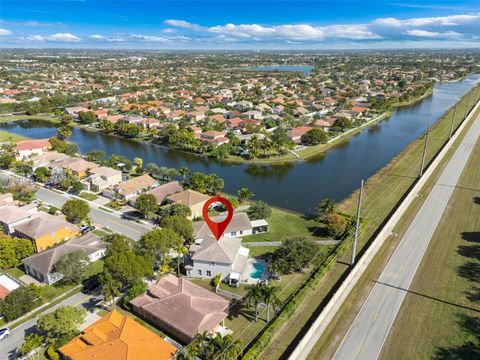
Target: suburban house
(42, 265)
(103, 177)
(26, 148)
(77, 166)
(295, 134)
(208, 257)
(239, 225)
(161, 192)
(45, 159)
(181, 308)
(128, 189)
(216, 137)
(7, 285)
(12, 215)
(46, 230)
(193, 199)
(119, 337)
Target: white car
(4, 332)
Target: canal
(298, 186)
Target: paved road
(111, 220)
(10, 345)
(370, 328)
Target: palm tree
(180, 250)
(203, 343)
(225, 347)
(191, 351)
(254, 296)
(64, 132)
(184, 172)
(326, 207)
(269, 297)
(110, 288)
(244, 194)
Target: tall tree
(244, 194)
(110, 288)
(157, 243)
(73, 266)
(75, 210)
(62, 324)
(325, 207)
(146, 204)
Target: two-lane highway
(370, 328)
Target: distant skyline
(239, 25)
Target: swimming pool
(258, 269)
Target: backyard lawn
(283, 224)
(6, 136)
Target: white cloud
(183, 24)
(451, 20)
(59, 37)
(5, 32)
(432, 34)
(149, 38)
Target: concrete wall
(205, 266)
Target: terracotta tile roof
(136, 184)
(184, 306)
(118, 337)
(33, 144)
(188, 198)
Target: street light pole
(453, 121)
(424, 150)
(357, 227)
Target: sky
(240, 25)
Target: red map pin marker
(217, 229)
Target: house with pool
(208, 257)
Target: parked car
(4, 332)
(87, 229)
(90, 284)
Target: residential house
(7, 285)
(181, 308)
(27, 148)
(77, 166)
(103, 177)
(117, 336)
(12, 215)
(296, 133)
(208, 257)
(215, 137)
(45, 159)
(46, 230)
(193, 199)
(161, 192)
(128, 189)
(240, 225)
(322, 125)
(42, 265)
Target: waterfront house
(117, 336)
(296, 133)
(27, 148)
(45, 159)
(214, 137)
(128, 189)
(190, 198)
(77, 166)
(45, 230)
(240, 225)
(322, 125)
(208, 257)
(181, 308)
(42, 265)
(103, 177)
(161, 192)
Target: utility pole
(424, 150)
(453, 121)
(468, 103)
(357, 227)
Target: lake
(296, 186)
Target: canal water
(298, 186)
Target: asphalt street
(370, 328)
(10, 345)
(111, 220)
